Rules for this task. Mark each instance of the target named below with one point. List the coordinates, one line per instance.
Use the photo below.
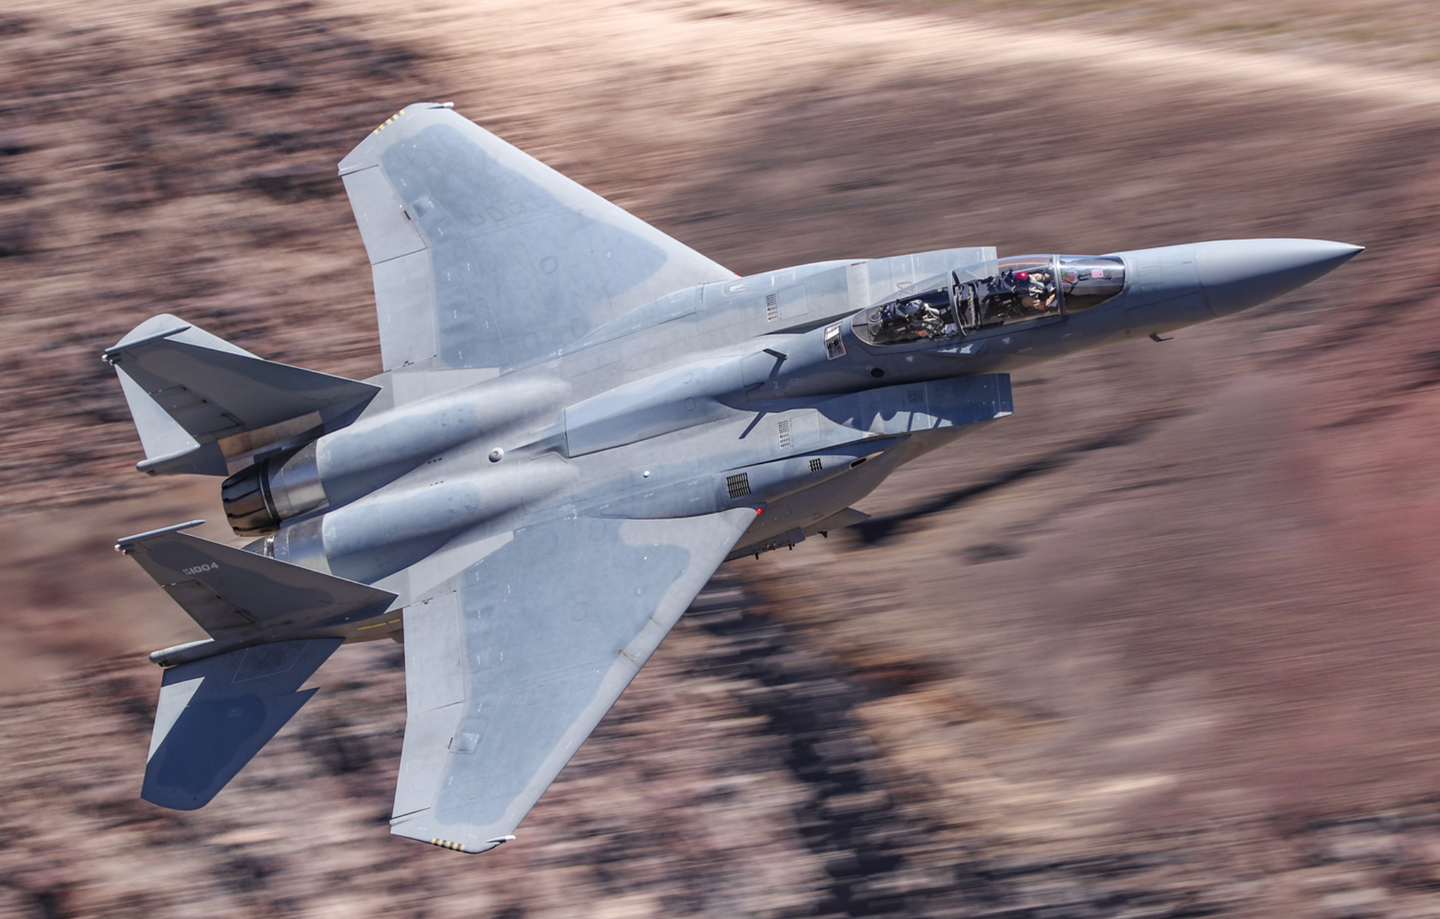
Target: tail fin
(240, 597)
(221, 700)
(215, 714)
(197, 399)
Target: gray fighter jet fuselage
(842, 390)
(566, 441)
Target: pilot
(894, 321)
(1034, 292)
(1007, 296)
(908, 320)
(926, 319)
(931, 320)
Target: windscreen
(1087, 281)
(1017, 289)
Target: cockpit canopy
(1010, 290)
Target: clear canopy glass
(1089, 280)
(1010, 290)
(925, 312)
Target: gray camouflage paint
(579, 420)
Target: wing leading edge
(514, 663)
(484, 257)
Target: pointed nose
(1240, 273)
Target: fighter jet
(579, 420)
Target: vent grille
(772, 308)
(739, 485)
(815, 465)
(785, 434)
(915, 396)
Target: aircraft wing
(511, 666)
(484, 257)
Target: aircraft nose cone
(1240, 273)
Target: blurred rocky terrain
(1162, 644)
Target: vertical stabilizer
(198, 400)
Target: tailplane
(216, 713)
(271, 625)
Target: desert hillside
(1162, 644)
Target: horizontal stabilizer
(239, 597)
(215, 715)
(192, 395)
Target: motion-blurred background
(1162, 644)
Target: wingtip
(486, 846)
